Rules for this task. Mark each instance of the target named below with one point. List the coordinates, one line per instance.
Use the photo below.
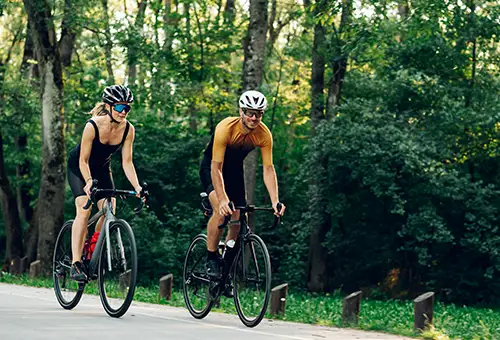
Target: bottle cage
(206, 207)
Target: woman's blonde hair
(99, 110)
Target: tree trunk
(134, 41)
(13, 232)
(468, 97)
(29, 71)
(277, 23)
(22, 172)
(254, 45)
(319, 226)
(318, 74)
(229, 12)
(403, 10)
(339, 62)
(253, 70)
(52, 186)
(108, 44)
(31, 239)
(69, 33)
(193, 121)
(8, 203)
(167, 46)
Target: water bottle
(229, 245)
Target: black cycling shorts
(77, 183)
(234, 180)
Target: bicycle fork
(120, 246)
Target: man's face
(251, 118)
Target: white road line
(176, 319)
(225, 327)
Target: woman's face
(120, 110)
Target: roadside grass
(396, 317)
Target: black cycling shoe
(213, 268)
(228, 290)
(77, 272)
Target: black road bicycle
(250, 272)
(113, 262)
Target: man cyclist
(221, 173)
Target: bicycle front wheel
(196, 283)
(117, 284)
(252, 281)
(68, 292)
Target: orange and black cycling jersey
(230, 142)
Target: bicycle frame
(243, 234)
(109, 217)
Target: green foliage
(394, 203)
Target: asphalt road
(28, 313)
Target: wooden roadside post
(35, 268)
(424, 310)
(166, 283)
(278, 299)
(351, 308)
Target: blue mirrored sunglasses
(120, 107)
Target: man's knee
(216, 218)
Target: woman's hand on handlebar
(138, 190)
(279, 209)
(88, 187)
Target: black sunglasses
(121, 107)
(256, 113)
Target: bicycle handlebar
(251, 208)
(144, 194)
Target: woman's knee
(80, 202)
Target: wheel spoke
(68, 292)
(117, 286)
(252, 280)
(196, 285)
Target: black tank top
(100, 155)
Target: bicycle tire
(119, 225)
(61, 264)
(200, 242)
(252, 240)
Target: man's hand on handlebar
(226, 208)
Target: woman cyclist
(103, 135)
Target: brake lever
(277, 219)
(93, 190)
(226, 221)
(228, 217)
(144, 195)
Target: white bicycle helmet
(117, 93)
(253, 100)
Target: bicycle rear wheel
(196, 283)
(117, 285)
(252, 281)
(68, 292)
